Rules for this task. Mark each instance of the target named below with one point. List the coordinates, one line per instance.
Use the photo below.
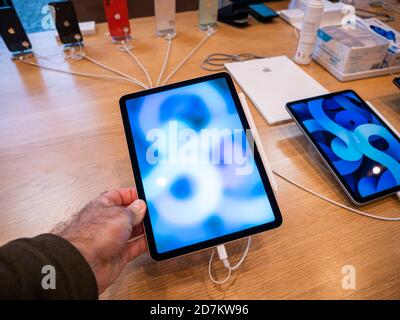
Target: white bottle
(165, 17)
(208, 11)
(308, 34)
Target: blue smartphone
(261, 12)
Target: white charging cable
(164, 65)
(223, 256)
(124, 47)
(98, 63)
(72, 54)
(362, 213)
(75, 73)
(209, 32)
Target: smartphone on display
(117, 18)
(261, 12)
(12, 31)
(165, 17)
(208, 12)
(66, 22)
(396, 81)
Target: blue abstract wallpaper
(190, 202)
(358, 145)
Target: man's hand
(106, 232)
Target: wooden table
(62, 143)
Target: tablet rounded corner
(155, 256)
(122, 101)
(278, 220)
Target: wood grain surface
(62, 143)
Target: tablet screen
(197, 168)
(352, 138)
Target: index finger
(119, 197)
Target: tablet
(356, 144)
(196, 166)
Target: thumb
(134, 249)
(138, 209)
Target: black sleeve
(21, 267)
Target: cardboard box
(381, 29)
(350, 50)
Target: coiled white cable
(209, 33)
(223, 256)
(164, 65)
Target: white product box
(294, 15)
(378, 27)
(350, 50)
(88, 28)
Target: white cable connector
(223, 256)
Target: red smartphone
(117, 18)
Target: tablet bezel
(354, 197)
(158, 256)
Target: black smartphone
(396, 81)
(261, 12)
(12, 31)
(66, 22)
